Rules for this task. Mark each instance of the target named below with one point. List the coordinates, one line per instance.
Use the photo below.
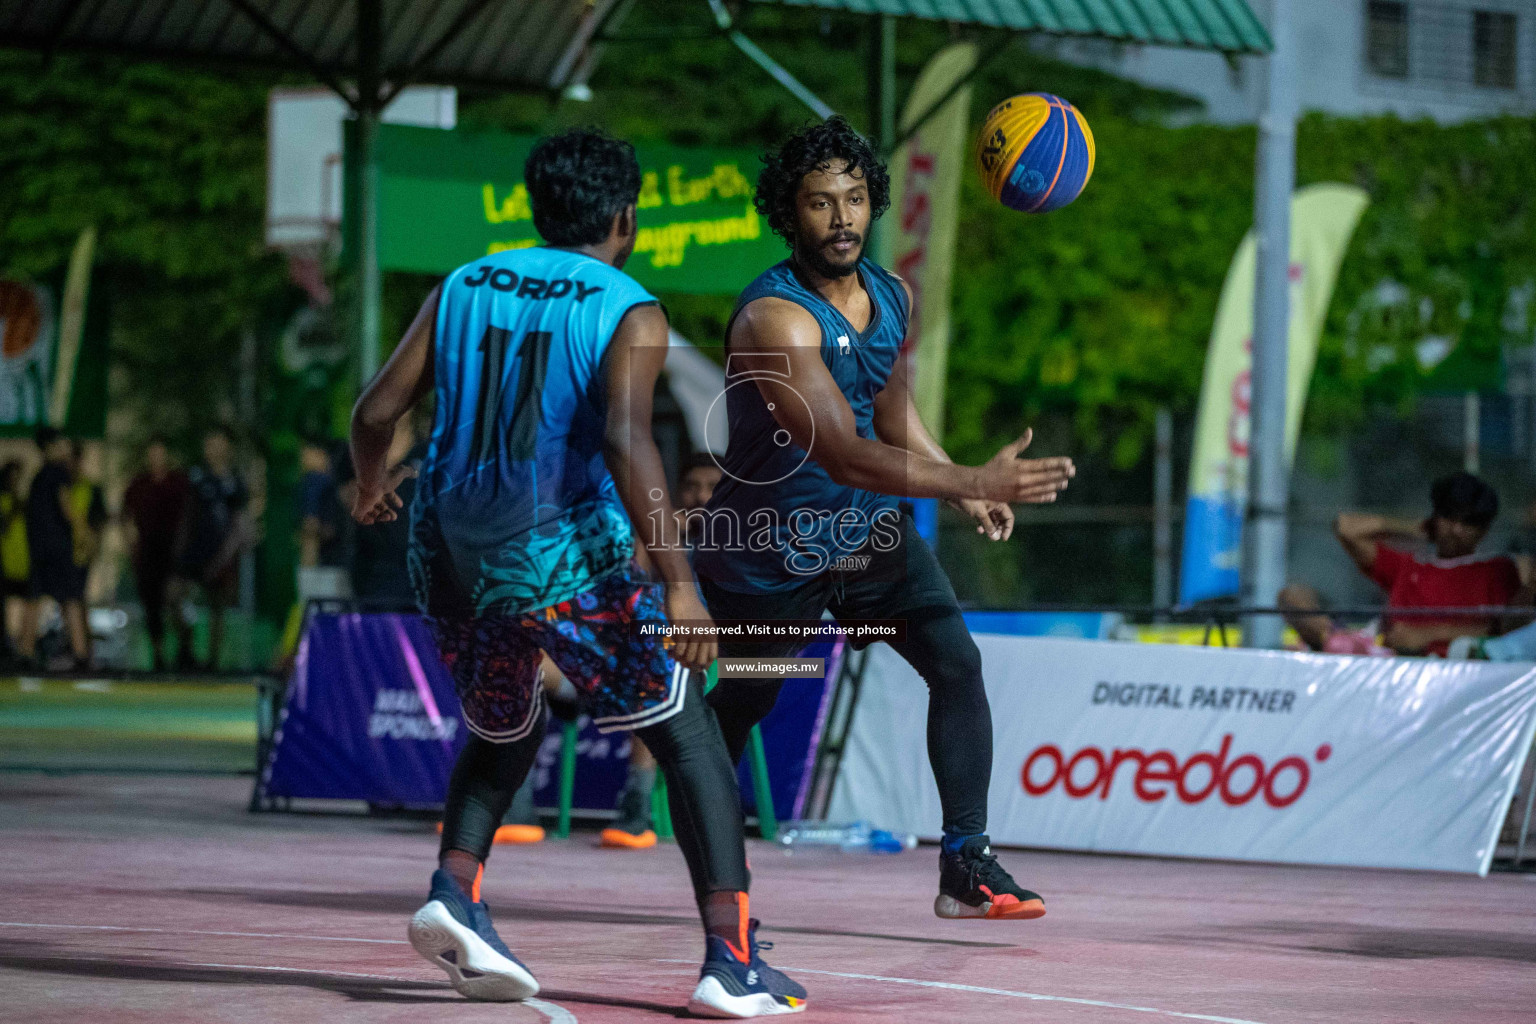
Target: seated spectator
(1464, 506)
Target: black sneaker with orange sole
(973, 884)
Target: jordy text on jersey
(504, 280)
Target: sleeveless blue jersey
(515, 509)
(795, 520)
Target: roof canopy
(1226, 25)
(524, 44)
(519, 44)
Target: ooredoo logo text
(1092, 772)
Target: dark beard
(815, 260)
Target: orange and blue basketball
(1035, 153)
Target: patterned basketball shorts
(597, 639)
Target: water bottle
(855, 837)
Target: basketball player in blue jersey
(823, 436)
(543, 362)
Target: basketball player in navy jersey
(822, 440)
(544, 362)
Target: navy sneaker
(456, 934)
(729, 988)
(973, 884)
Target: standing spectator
(380, 577)
(89, 508)
(153, 506)
(322, 569)
(51, 532)
(1463, 508)
(213, 533)
(15, 565)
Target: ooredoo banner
(1202, 752)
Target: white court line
(192, 931)
(305, 970)
(556, 1014)
(570, 1019)
(1005, 992)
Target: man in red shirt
(153, 506)
(1464, 506)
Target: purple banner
(371, 714)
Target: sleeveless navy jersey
(515, 509)
(794, 519)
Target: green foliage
(669, 85)
(1086, 319)
(170, 165)
(1452, 221)
(1099, 311)
(1102, 311)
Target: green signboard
(449, 197)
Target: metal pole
(1525, 821)
(246, 571)
(885, 124)
(1471, 432)
(760, 57)
(369, 282)
(1264, 533)
(880, 94)
(1162, 512)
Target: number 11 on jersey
(532, 367)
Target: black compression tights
(701, 787)
(940, 648)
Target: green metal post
(767, 821)
(369, 281)
(568, 734)
(661, 811)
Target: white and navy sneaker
(973, 884)
(731, 988)
(456, 934)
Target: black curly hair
(812, 147)
(577, 181)
(1464, 498)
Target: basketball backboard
(304, 157)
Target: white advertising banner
(1204, 752)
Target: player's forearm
(912, 436)
(1359, 526)
(370, 443)
(887, 469)
(641, 481)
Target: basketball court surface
(158, 898)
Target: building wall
(1333, 75)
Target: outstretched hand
(382, 504)
(1008, 478)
